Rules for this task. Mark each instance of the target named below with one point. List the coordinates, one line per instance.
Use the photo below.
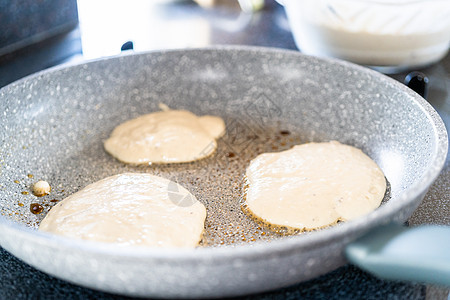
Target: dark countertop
(225, 25)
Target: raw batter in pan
(313, 185)
(167, 136)
(130, 210)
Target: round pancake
(313, 185)
(168, 136)
(130, 209)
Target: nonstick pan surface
(53, 125)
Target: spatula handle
(397, 252)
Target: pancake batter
(130, 210)
(168, 136)
(313, 185)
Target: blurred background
(39, 34)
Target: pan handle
(397, 252)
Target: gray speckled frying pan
(53, 124)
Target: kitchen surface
(107, 28)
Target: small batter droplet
(41, 188)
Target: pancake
(168, 136)
(130, 210)
(313, 185)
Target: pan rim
(352, 228)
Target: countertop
(221, 25)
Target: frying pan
(53, 124)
